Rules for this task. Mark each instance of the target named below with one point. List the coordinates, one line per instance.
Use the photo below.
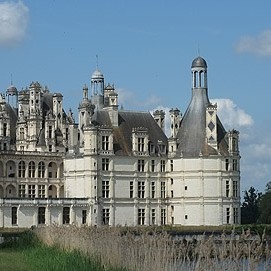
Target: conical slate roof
(192, 133)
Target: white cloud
(125, 97)
(167, 117)
(152, 101)
(231, 115)
(128, 99)
(13, 22)
(259, 45)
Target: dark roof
(199, 62)
(123, 133)
(192, 133)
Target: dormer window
(152, 148)
(162, 148)
(140, 141)
(105, 143)
(140, 144)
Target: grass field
(13, 260)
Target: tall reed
(159, 251)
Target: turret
(97, 89)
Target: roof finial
(97, 62)
(198, 50)
(11, 81)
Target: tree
(265, 206)
(250, 208)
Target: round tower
(97, 89)
(199, 73)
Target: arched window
(52, 170)
(31, 169)
(10, 169)
(41, 169)
(21, 169)
(52, 193)
(10, 191)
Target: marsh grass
(28, 253)
(150, 250)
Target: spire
(192, 131)
(97, 63)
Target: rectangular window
(131, 190)
(14, 220)
(153, 219)
(140, 165)
(152, 190)
(84, 217)
(21, 191)
(141, 216)
(228, 215)
(21, 134)
(152, 148)
(31, 169)
(50, 132)
(163, 216)
(41, 190)
(172, 194)
(163, 190)
(41, 215)
(41, 170)
(235, 189)
(171, 181)
(105, 216)
(4, 129)
(31, 191)
(227, 164)
(105, 189)
(162, 148)
(234, 145)
(227, 188)
(152, 165)
(21, 169)
(141, 189)
(105, 164)
(50, 148)
(171, 165)
(105, 143)
(163, 165)
(66, 215)
(140, 144)
(235, 215)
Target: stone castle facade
(115, 167)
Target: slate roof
(192, 133)
(123, 133)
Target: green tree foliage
(265, 206)
(250, 208)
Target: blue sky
(146, 49)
